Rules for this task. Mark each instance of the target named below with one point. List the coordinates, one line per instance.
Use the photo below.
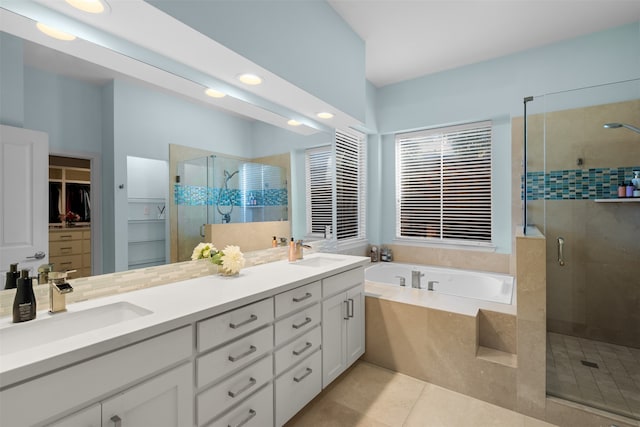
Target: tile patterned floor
(370, 396)
(614, 385)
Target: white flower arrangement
(230, 260)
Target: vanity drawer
(226, 326)
(233, 356)
(233, 390)
(65, 248)
(297, 350)
(342, 281)
(297, 387)
(294, 299)
(256, 411)
(297, 323)
(66, 235)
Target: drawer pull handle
(305, 375)
(306, 296)
(252, 349)
(65, 237)
(117, 421)
(300, 325)
(350, 313)
(346, 310)
(253, 318)
(252, 414)
(66, 263)
(307, 346)
(252, 382)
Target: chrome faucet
(403, 281)
(430, 284)
(415, 278)
(58, 290)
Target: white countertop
(173, 305)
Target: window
(319, 177)
(351, 186)
(350, 177)
(443, 184)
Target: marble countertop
(172, 306)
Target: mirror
(91, 112)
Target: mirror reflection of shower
(621, 125)
(226, 216)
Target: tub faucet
(430, 284)
(403, 281)
(415, 278)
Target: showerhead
(621, 125)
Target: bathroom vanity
(250, 350)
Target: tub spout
(430, 285)
(415, 278)
(402, 280)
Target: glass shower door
(193, 203)
(593, 320)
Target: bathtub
(483, 286)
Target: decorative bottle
(292, 250)
(24, 303)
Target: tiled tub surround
(126, 281)
(177, 311)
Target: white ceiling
(407, 39)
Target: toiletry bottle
(292, 250)
(274, 242)
(636, 179)
(24, 303)
(630, 189)
(374, 254)
(622, 190)
(12, 277)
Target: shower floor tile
(598, 374)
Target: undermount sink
(319, 261)
(21, 336)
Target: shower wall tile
(193, 195)
(577, 184)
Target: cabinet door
(89, 417)
(163, 401)
(334, 311)
(355, 323)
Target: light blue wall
(11, 81)
(69, 110)
(304, 42)
(494, 90)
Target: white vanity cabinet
(342, 322)
(88, 417)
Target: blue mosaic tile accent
(576, 184)
(191, 195)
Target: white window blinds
(443, 184)
(351, 185)
(319, 176)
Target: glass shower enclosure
(576, 167)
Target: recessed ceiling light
(214, 93)
(250, 79)
(55, 33)
(293, 123)
(90, 6)
(324, 115)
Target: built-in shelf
(621, 200)
(133, 242)
(140, 221)
(147, 200)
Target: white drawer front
(297, 387)
(341, 282)
(233, 356)
(233, 390)
(290, 301)
(297, 323)
(222, 328)
(257, 411)
(298, 349)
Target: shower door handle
(202, 230)
(561, 251)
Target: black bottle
(24, 304)
(12, 277)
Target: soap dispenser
(292, 251)
(24, 303)
(12, 277)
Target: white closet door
(24, 197)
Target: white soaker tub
(484, 286)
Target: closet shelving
(146, 232)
